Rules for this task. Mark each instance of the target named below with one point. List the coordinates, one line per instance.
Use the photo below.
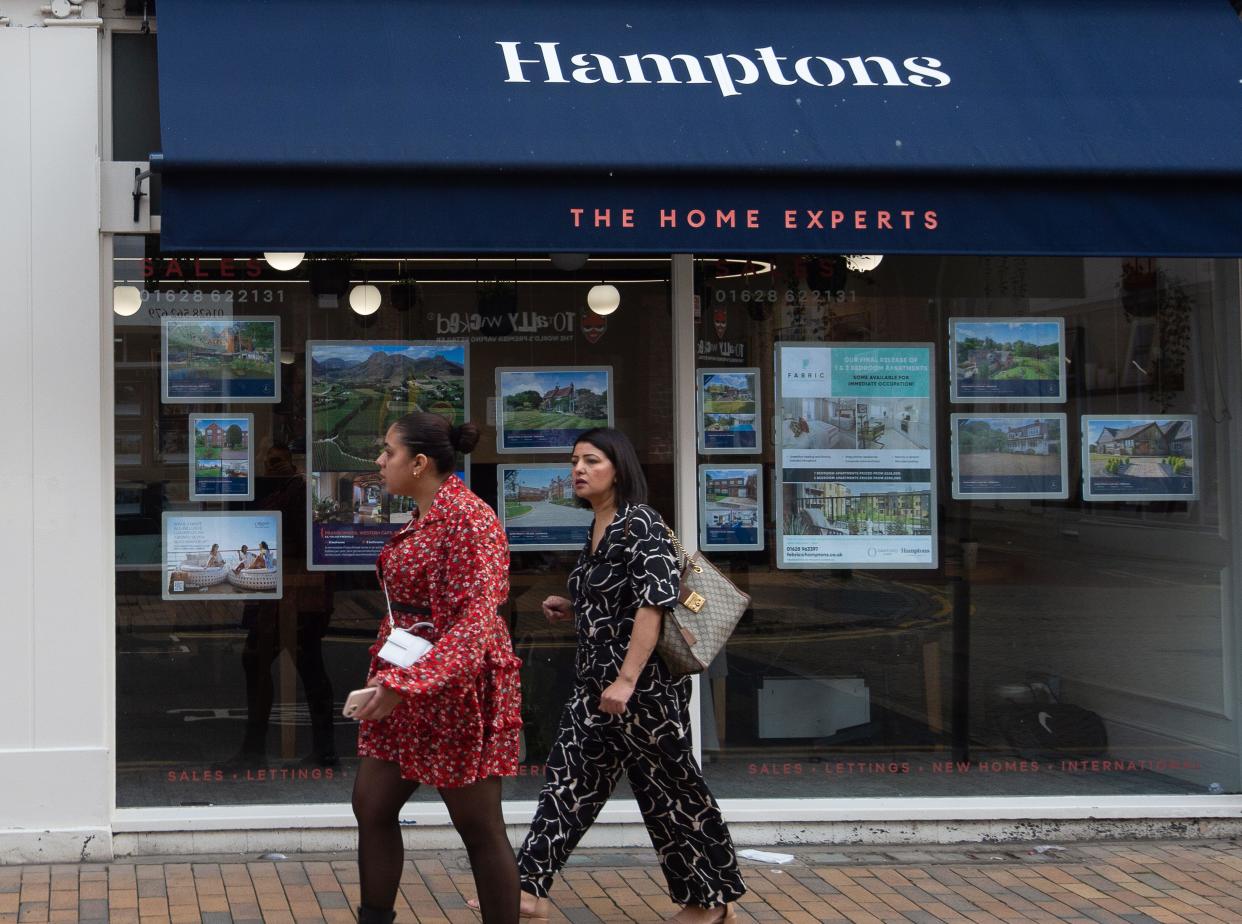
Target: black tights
(379, 794)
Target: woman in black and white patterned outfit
(628, 712)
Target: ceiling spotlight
(364, 299)
(284, 261)
(569, 262)
(126, 300)
(862, 263)
(603, 299)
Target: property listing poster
(221, 456)
(1009, 456)
(1007, 360)
(227, 359)
(222, 553)
(356, 391)
(543, 409)
(538, 508)
(729, 407)
(731, 507)
(855, 436)
(1126, 457)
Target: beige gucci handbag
(708, 610)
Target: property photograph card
(538, 509)
(234, 360)
(1127, 457)
(228, 554)
(729, 409)
(544, 409)
(731, 507)
(1006, 360)
(221, 457)
(1009, 457)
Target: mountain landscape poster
(355, 392)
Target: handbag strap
(392, 623)
(684, 560)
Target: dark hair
(631, 487)
(434, 437)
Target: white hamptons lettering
(728, 71)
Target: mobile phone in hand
(356, 701)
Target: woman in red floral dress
(450, 719)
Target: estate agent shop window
(978, 503)
(249, 402)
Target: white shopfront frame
(764, 821)
(70, 813)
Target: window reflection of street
(836, 683)
(896, 635)
(809, 625)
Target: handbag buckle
(694, 602)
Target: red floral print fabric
(460, 712)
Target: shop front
(925, 325)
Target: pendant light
(604, 299)
(284, 262)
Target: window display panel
(857, 456)
(355, 389)
(244, 617)
(1073, 634)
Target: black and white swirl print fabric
(607, 588)
(650, 742)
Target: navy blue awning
(907, 127)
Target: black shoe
(372, 916)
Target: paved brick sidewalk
(1118, 883)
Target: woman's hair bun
(465, 437)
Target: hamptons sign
(543, 62)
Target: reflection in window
(230, 690)
(1063, 646)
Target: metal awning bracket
(139, 176)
